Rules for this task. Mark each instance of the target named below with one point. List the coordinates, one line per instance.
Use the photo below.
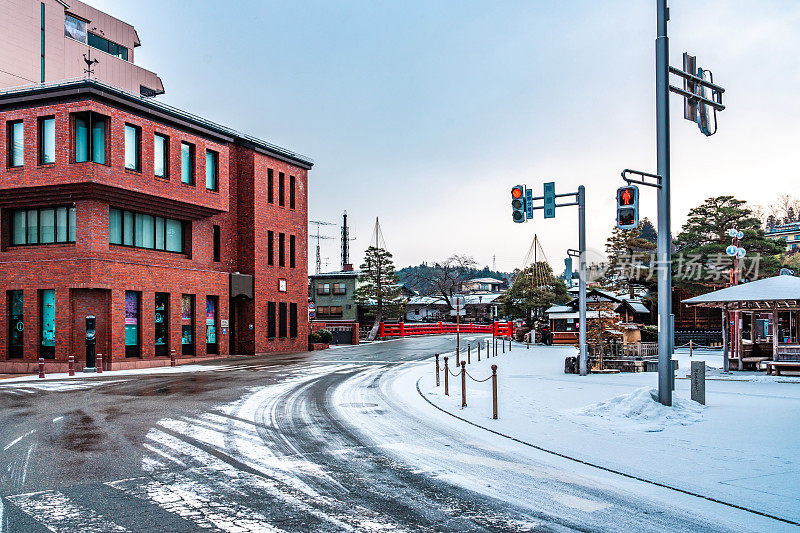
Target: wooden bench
(777, 365)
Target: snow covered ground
(741, 448)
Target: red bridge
(498, 329)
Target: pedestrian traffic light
(518, 203)
(628, 207)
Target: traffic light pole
(664, 231)
(584, 356)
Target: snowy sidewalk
(741, 448)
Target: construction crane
(318, 223)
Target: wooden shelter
(760, 322)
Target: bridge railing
(499, 329)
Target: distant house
(333, 294)
(788, 233)
(482, 286)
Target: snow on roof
(777, 288)
(560, 309)
(637, 306)
(484, 280)
(468, 299)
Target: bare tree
(443, 278)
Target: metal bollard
(71, 365)
(504, 345)
(446, 378)
(172, 357)
(690, 347)
(99, 363)
(510, 340)
(469, 354)
(437, 369)
(479, 351)
(458, 357)
(494, 392)
(41, 367)
(463, 384)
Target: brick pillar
(63, 324)
(223, 314)
(147, 323)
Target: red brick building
(175, 232)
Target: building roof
(469, 299)
(337, 274)
(783, 288)
(484, 280)
(636, 305)
(77, 87)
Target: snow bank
(640, 409)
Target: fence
(638, 350)
(462, 371)
(498, 329)
(698, 337)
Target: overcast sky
(426, 113)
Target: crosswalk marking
(58, 513)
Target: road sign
(528, 203)
(550, 199)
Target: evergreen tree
(378, 286)
(533, 290)
(701, 244)
(648, 231)
(629, 254)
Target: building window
(90, 137)
(187, 324)
(47, 319)
(282, 320)
(281, 186)
(291, 191)
(291, 251)
(217, 244)
(324, 288)
(270, 187)
(270, 247)
(281, 249)
(75, 28)
(109, 47)
(161, 322)
(133, 147)
(42, 226)
(16, 144)
(293, 320)
(126, 228)
(335, 310)
(212, 164)
(161, 156)
(132, 324)
(339, 288)
(16, 327)
(271, 320)
(187, 163)
(322, 310)
(211, 325)
(47, 140)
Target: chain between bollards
(494, 392)
(446, 378)
(463, 384)
(437, 369)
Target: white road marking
(57, 512)
(13, 442)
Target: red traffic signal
(517, 192)
(628, 207)
(626, 196)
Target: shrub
(324, 336)
(650, 334)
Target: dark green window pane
(33, 226)
(48, 317)
(47, 221)
(160, 156)
(174, 236)
(187, 164)
(17, 144)
(61, 224)
(127, 228)
(71, 230)
(148, 231)
(20, 235)
(15, 316)
(160, 228)
(95, 41)
(115, 226)
(99, 141)
(211, 170)
(131, 318)
(81, 140)
(48, 140)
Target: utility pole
(664, 250)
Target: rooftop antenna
(318, 223)
(345, 241)
(376, 241)
(494, 263)
(89, 64)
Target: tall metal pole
(584, 356)
(664, 232)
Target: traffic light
(518, 203)
(628, 207)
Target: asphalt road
(306, 442)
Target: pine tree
(378, 286)
(533, 290)
(704, 238)
(629, 254)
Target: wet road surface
(305, 442)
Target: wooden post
(725, 326)
(463, 384)
(504, 345)
(690, 347)
(446, 378)
(494, 392)
(479, 350)
(775, 334)
(437, 369)
(469, 354)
